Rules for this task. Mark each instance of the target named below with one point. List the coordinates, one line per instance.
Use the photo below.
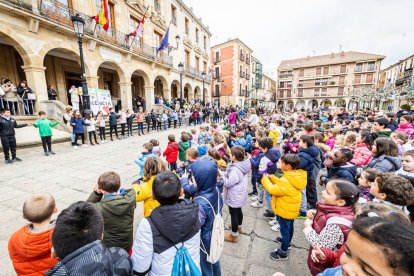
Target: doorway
(72, 79)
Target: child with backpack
(208, 197)
(160, 243)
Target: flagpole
(145, 13)
(164, 36)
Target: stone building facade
(38, 44)
(230, 63)
(326, 80)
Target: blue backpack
(183, 264)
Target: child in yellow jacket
(152, 166)
(286, 199)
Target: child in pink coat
(362, 150)
(406, 126)
(332, 137)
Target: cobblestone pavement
(71, 174)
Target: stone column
(167, 94)
(36, 80)
(92, 81)
(149, 97)
(126, 94)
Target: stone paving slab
(71, 174)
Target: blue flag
(164, 42)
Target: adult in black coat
(8, 135)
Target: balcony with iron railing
(242, 74)
(285, 76)
(174, 20)
(247, 76)
(190, 70)
(247, 61)
(241, 57)
(216, 60)
(61, 14)
(187, 30)
(20, 4)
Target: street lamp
(79, 26)
(221, 82)
(203, 75)
(181, 69)
(172, 48)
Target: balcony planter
(332, 83)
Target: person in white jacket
(74, 97)
(173, 224)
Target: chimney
(308, 57)
(342, 54)
(332, 55)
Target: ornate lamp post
(203, 75)
(181, 69)
(172, 48)
(79, 26)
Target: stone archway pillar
(126, 94)
(92, 81)
(346, 103)
(149, 97)
(36, 80)
(167, 94)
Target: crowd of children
(359, 225)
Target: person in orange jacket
(30, 246)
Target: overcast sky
(288, 29)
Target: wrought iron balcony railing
(61, 14)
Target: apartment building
(230, 63)
(326, 80)
(397, 82)
(398, 75)
(38, 44)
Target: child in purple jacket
(235, 190)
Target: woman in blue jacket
(77, 124)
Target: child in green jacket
(45, 132)
(183, 146)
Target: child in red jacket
(171, 153)
(30, 246)
(330, 258)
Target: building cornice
(397, 63)
(230, 42)
(191, 13)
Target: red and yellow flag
(103, 16)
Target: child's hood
(32, 245)
(120, 204)
(296, 178)
(273, 154)
(174, 145)
(178, 222)
(245, 165)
